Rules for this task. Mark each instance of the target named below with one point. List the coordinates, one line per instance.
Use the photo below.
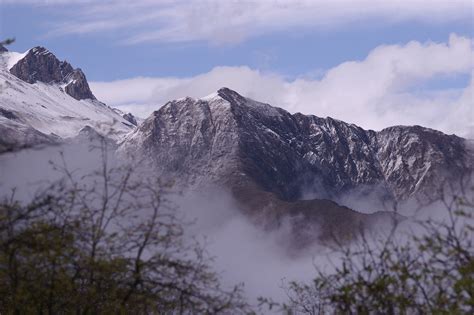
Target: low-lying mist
(244, 253)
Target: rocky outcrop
(127, 116)
(39, 64)
(130, 118)
(3, 49)
(78, 86)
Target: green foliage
(104, 243)
(430, 273)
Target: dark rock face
(8, 114)
(130, 118)
(78, 86)
(286, 153)
(2, 49)
(235, 141)
(41, 65)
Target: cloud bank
(391, 86)
(234, 21)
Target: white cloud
(373, 93)
(234, 21)
(140, 89)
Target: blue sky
(300, 51)
(163, 48)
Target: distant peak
(3, 49)
(39, 64)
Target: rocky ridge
(235, 141)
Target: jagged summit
(43, 98)
(39, 64)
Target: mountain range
(276, 165)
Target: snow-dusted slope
(47, 108)
(232, 140)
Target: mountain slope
(42, 94)
(237, 142)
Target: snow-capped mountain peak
(49, 97)
(39, 64)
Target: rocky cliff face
(77, 85)
(127, 116)
(39, 64)
(232, 140)
(130, 118)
